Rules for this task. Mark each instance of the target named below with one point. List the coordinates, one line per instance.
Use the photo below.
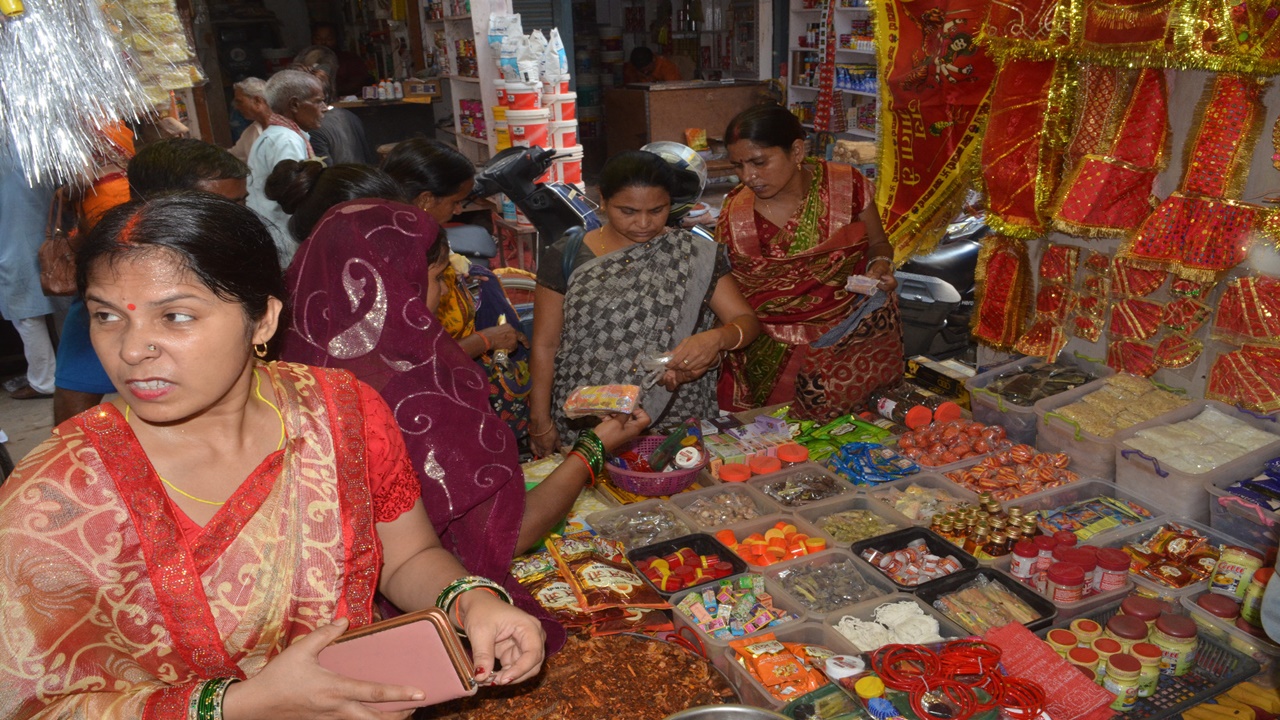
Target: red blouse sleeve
(393, 484)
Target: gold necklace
(257, 391)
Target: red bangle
(487, 345)
(457, 614)
(590, 473)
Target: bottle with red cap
(791, 454)
(1113, 569)
(1025, 556)
(896, 404)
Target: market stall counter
(639, 114)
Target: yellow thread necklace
(257, 389)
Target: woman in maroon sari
(362, 285)
(796, 229)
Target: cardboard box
(945, 378)
(422, 88)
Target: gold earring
(260, 350)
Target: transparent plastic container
(1236, 516)
(1091, 455)
(744, 529)
(764, 505)
(875, 582)
(715, 647)
(817, 511)
(1145, 530)
(810, 633)
(1058, 497)
(1018, 421)
(1260, 649)
(1183, 494)
(604, 521)
(1034, 600)
(866, 612)
(759, 483)
(899, 539)
(1069, 611)
(962, 496)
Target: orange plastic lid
(763, 465)
(735, 472)
(918, 417)
(793, 453)
(946, 412)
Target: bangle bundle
(879, 258)
(591, 448)
(591, 472)
(450, 594)
(206, 700)
(951, 678)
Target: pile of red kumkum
(619, 676)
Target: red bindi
(131, 306)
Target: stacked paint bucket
(542, 115)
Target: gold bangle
(741, 335)
(548, 431)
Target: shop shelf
(1058, 497)
(877, 584)
(759, 483)
(866, 612)
(1182, 493)
(962, 496)
(1143, 531)
(1261, 649)
(809, 633)
(949, 584)
(1236, 516)
(605, 518)
(763, 504)
(1091, 455)
(817, 511)
(714, 648)
(1218, 667)
(897, 540)
(700, 543)
(1017, 420)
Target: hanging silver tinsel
(64, 77)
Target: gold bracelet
(548, 431)
(741, 335)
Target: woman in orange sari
(797, 229)
(187, 550)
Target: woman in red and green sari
(796, 230)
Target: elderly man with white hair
(298, 105)
(250, 101)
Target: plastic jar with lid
(1083, 657)
(1143, 608)
(1086, 561)
(1086, 631)
(1105, 647)
(1234, 571)
(1066, 583)
(1219, 606)
(1123, 671)
(763, 465)
(1176, 637)
(734, 472)
(1126, 630)
(869, 687)
(1066, 537)
(1044, 552)
(1023, 565)
(1062, 641)
(1251, 608)
(1148, 655)
(1113, 569)
(792, 454)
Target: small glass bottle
(976, 541)
(896, 404)
(998, 545)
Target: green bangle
(207, 702)
(463, 584)
(592, 449)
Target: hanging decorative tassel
(63, 80)
(1004, 291)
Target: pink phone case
(420, 650)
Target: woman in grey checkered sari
(633, 288)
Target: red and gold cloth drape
(935, 82)
(1004, 292)
(1116, 151)
(1019, 150)
(1202, 230)
(1249, 376)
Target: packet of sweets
(600, 575)
(647, 621)
(783, 674)
(1175, 541)
(601, 400)
(540, 575)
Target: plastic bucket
(568, 167)
(500, 87)
(564, 135)
(564, 106)
(501, 135)
(529, 127)
(499, 113)
(522, 96)
(555, 84)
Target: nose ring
(151, 348)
